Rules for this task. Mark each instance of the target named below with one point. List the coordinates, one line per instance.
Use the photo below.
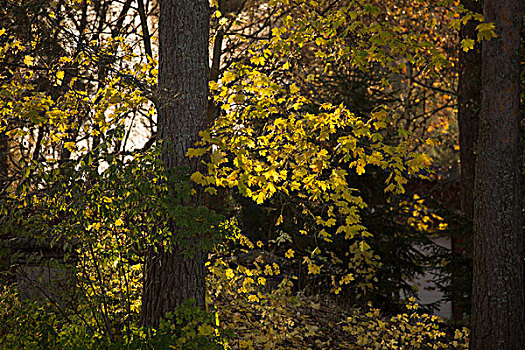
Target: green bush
(37, 325)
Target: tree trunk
(170, 277)
(215, 66)
(4, 147)
(3, 154)
(469, 104)
(497, 319)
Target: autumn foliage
(321, 123)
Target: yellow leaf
(119, 222)
(467, 44)
(260, 197)
(213, 85)
(229, 273)
(279, 220)
(70, 146)
(486, 31)
(228, 77)
(210, 190)
(257, 60)
(195, 152)
(60, 77)
(360, 169)
(363, 246)
(28, 61)
(197, 178)
(313, 269)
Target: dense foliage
(322, 131)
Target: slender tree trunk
(497, 319)
(469, 104)
(215, 65)
(170, 277)
(4, 146)
(146, 37)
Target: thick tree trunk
(172, 278)
(497, 319)
(469, 104)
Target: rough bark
(497, 319)
(170, 277)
